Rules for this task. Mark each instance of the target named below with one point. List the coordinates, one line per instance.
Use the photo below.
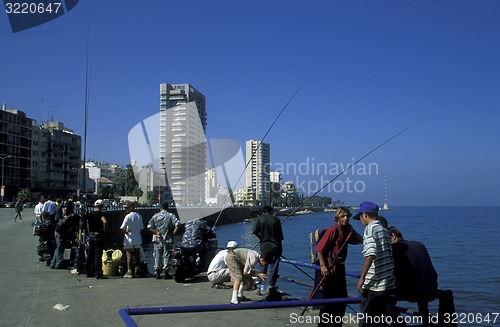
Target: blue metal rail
(128, 312)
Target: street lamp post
(3, 167)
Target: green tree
(338, 203)
(137, 192)
(126, 183)
(24, 195)
(320, 200)
(151, 197)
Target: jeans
(161, 255)
(272, 270)
(334, 286)
(57, 260)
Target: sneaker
(157, 275)
(243, 299)
(273, 295)
(237, 302)
(128, 275)
(101, 277)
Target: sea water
(463, 243)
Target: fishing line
(262, 141)
(352, 165)
(86, 115)
(346, 169)
(305, 273)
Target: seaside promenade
(30, 290)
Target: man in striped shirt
(376, 283)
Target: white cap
(232, 244)
(98, 203)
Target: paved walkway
(30, 290)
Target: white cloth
(219, 276)
(218, 262)
(38, 209)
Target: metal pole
(3, 168)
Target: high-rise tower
(257, 172)
(183, 121)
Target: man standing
(132, 241)
(332, 252)
(163, 225)
(377, 281)
(37, 211)
(268, 229)
(96, 224)
(69, 208)
(49, 210)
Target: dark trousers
(374, 306)
(271, 252)
(93, 264)
(334, 286)
(272, 271)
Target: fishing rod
(352, 165)
(343, 171)
(81, 229)
(323, 278)
(262, 141)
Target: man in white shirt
(132, 240)
(38, 210)
(218, 272)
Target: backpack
(314, 238)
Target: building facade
(55, 159)
(44, 158)
(15, 151)
(258, 171)
(183, 122)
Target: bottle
(262, 289)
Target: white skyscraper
(183, 121)
(257, 172)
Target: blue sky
(373, 68)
